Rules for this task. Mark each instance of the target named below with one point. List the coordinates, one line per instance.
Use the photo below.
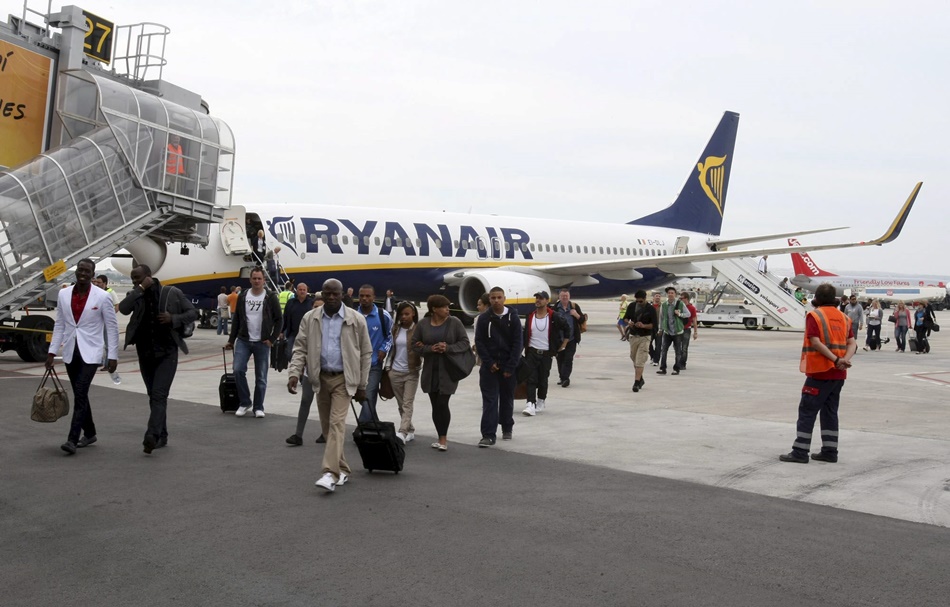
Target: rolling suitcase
(379, 447)
(227, 388)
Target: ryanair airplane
(419, 253)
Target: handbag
(459, 365)
(50, 404)
(224, 313)
(891, 318)
(385, 386)
(934, 327)
(278, 354)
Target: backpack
(186, 330)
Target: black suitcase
(379, 447)
(912, 342)
(227, 389)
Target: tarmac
(670, 496)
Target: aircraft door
(233, 232)
(682, 246)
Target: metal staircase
(761, 289)
(109, 185)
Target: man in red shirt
(826, 357)
(690, 328)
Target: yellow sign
(99, 33)
(51, 272)
(25, 84)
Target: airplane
(886, 288)
(462, 256)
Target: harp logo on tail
(712, 176)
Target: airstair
(110, 184)
(761, 289)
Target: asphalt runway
(673, 496)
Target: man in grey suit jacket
(158, 315)
(85, 318)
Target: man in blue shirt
(380, 326)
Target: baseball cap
(542, 295)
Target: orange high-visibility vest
(174, 165)
(835, 326)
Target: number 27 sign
(99, 37)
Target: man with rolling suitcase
(333, 344)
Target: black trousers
(539, 368)
(80, 376)
(158, 373)
(565, 361)
(441, 416)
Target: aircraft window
(455, 244)
(641, 253)
(388, 241)
(398, 241)
(313, 239)
(366, 240)
(547, 248)
(524, 247)
(376, 240)
(570, 248)
(507, 245)
(585, 248)
(323, 239)
(615, 251)
(346, 239)
(418, 243)
(438, 243)
(532, 246)
(334, 239)
(562, 248)
(628, 251)
(303, 239)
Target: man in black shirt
(158, 315)
(640, 319)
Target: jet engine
(519, 288)
(145, 250)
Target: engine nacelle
(145, 250)
(519, 288)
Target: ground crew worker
(827, 349)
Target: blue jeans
(368, 409)
(900, 334)
(222, 323)
(243, 350)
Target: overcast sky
(583, 110)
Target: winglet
(894, 231)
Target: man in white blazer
(85, 317)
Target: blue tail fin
(702, 201)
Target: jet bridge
(109, 185)
(761, 289)
(118, 159)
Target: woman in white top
(873, 317)
(404, 367)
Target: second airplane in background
(886, 288)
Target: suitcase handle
(357, 415)
(224, 357)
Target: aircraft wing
(683, 263)
(723, 244)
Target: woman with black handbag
(438, 337)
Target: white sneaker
(343, 478)
(540, 406)
(259, 413)
(530, 410)
(401, 437)
(326, 481)
(410, 437)
(242, 411)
